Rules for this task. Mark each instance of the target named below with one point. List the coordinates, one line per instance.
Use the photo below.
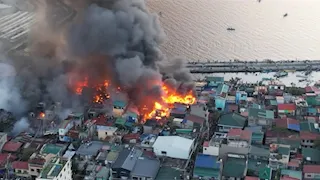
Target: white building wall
(173, 146)
(211, 150)
(65, 173)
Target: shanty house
(260, 117)
(89, 150)
(231, 121)
(143, 163)
(125, 163)
(313, 99)
(21, 168)
(286, 109)
(241, 97)
(207, 167)
(214, 81)
(173, 146)
(311, 172)
(118, 107)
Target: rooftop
(20, 165)
(53, 167)
(260, 113)
(234, 166)
(11, 146)
(207, 161)
(288, 107)
(232, 119)
(311, 169)
(90, 148)
(127, 159)
(309, 136)
(52, 149)
(143, 163)
(240, 134)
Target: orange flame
(80, 85)
(169, 97)
(42, 115)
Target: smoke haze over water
(119, 43)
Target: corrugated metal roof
(15, 25)
(207, 161)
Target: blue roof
(295, 127)
(312, 110)
(207, 161)
(119, 103)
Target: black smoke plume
(119, 42)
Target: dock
(253, 66)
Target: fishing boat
(290, 70)
(281, 74)
(307, 73)
(285, 15)
(301, 76)
(231, 29)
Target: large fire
(160, 108)
(169, 98)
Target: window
(163, 152)
(205, 149)
(107, 133)
(135, 178)
(32, 170)
(38, 170)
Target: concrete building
(89, 150)
(311, 172)
(207, 167)
(173, 146)
(56, 169)
(105, 131)
(279, 156)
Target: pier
(253, 66)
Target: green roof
(234, 167)
(205, 172)
(273, 102)
(265, 173)
(51, 149)
(166, 173)
(257, 137)
(291, 173)
(260, 113)
(256, 165)
(294, 143)
(232, 119)
(308, 126)
(283, 150)
(120, 121)
(311, 153)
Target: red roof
(20, 165)
(311, 168)
(311, 89)
(304, 135)
(293, 164)
(4, 158)
(11, 146)
(206, 144)
(290, 107)
(131, 136)
(251, 178)
(242, 134)
(288, 178)
(284, 122)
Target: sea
(197, 30)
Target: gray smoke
(20, 126)
(119, 42)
